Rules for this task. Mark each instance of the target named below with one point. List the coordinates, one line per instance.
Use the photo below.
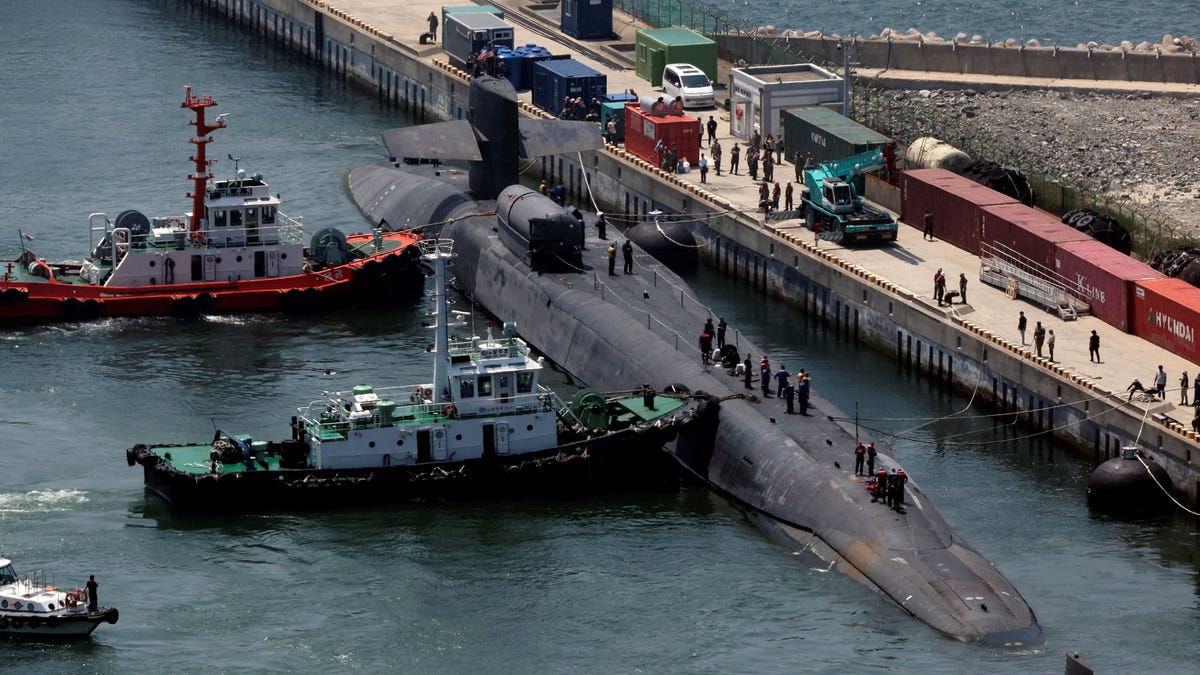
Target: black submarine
(525, 258)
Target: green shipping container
(826, 135)
(656, 47)
(466, 9)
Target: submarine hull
(616, 331)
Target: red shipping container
(1103, 276)
(643, 132)
(954, 202)
(1029, 233)
(1166, 312)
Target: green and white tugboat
(483, 426)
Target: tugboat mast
(436, 252)
(200, 178)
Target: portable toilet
(467, 9)
(656, 47)
(587, 19)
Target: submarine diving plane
(526, 262)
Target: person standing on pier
(764, 374)
(703, 168)
(602, 225)
(775, 198)
(433, 26)
(705, 345)
(1160, 383)
(721, 326)
(712, 131)
(1094, 347)
(749, 371)
(871, 453)
(779, 148)
(612, 259)
(716, 153)
(1039, 339)
(798, 165)
(802, 390)
(1022, 322)
(939, 286)
(752, 162)
(768, 167)
(962, 293)
(789, 393)
(1050, 344)
(627, 250)
(788, 196)
(733, 159)
(1183, 388)
(860, 456)
(928, 226)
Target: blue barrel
(531, 54)
(587, 19)
(513, 65)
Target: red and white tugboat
(234, 252)
(31, 608)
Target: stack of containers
(644, 130)
(1166, 312)
(1104, 276)
(559, 79)
(956, 204)
(1032, 234)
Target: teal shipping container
(613, 110)
(467, 9)
(656, 47)
(826, 135)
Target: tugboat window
(466, 388)
(235, 218)
(219, 219)
(268, 214)
(524, 383)
(485, 385)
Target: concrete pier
(882, 295)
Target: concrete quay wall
(1001, 60)
(852, 299)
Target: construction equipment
(833, 208)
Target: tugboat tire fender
(52, 621)
(112, 615)
(35, 622)
(18, 623)
(70, 307)
(3, 623)
(130, 457)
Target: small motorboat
(29, 607)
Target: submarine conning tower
(493, 114)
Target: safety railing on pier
(1020, 276)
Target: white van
(689, 83)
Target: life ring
(174, 221)
(450, 411)
(415, 395)
(70, 600)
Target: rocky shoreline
(1136, 148)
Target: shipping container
(470, 33)
(1166, 312)
(1103, 276)
(468, 9)
(826, 135)
(613, 110)
(587, 19)
(656, 47)
(644, 132)
(1026, 232)
(955, 202)
(557, 80)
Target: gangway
(1021, 277)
